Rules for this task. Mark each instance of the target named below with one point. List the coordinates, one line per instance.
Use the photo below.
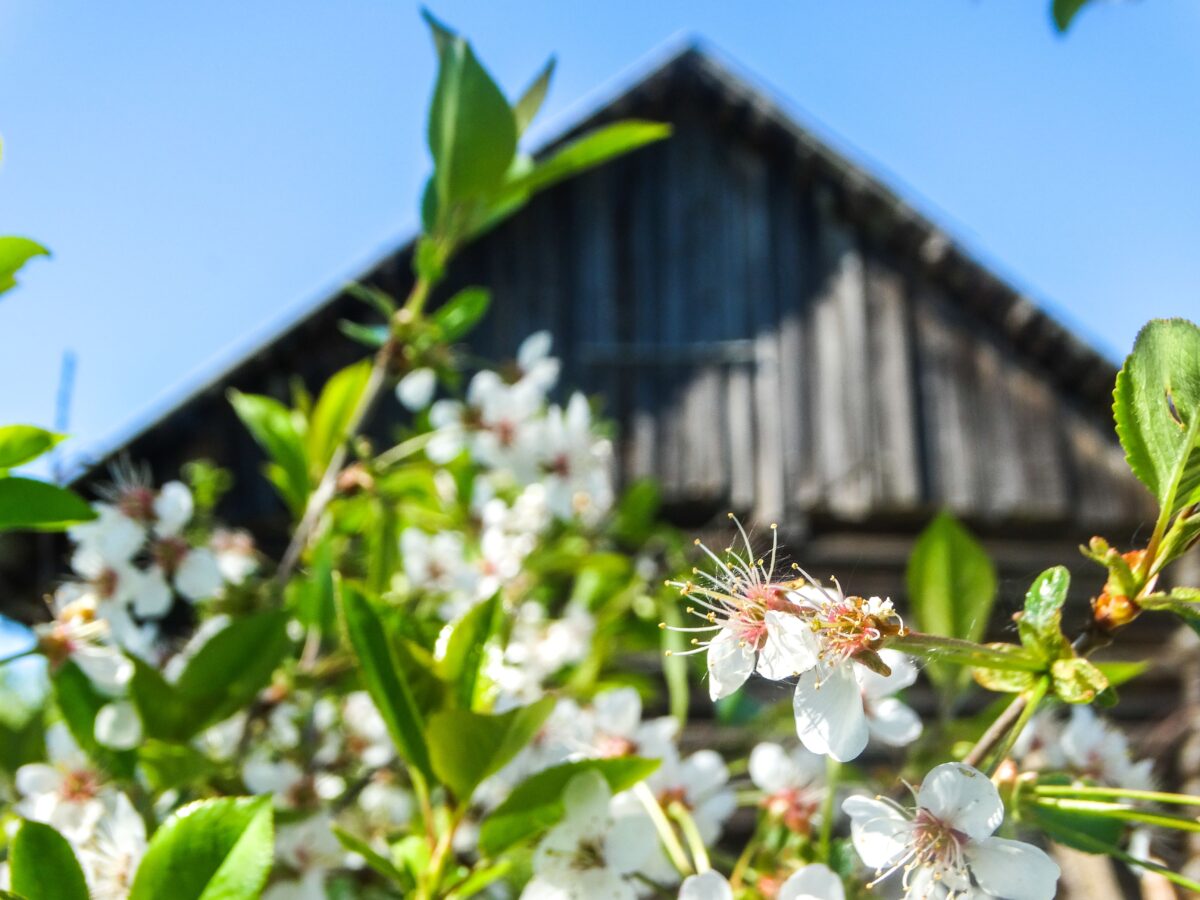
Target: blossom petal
(813, 882)
(198, 576)
(771, 769)
(730, 662)
(877, 686)
(415, 390)
(151, 594)
(628, 843)
(790, 647)
(894, 723)
(118, 726)
(618, 711)
(879, 831)
(1013, 869)
(709, 886)
(962, 797)
(172, 508)
(33, 779)
(829, 713)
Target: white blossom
(889, 720)
(77, 633)
(310, 851)
(118, 725)
(111, 857)
(577, 464)
(753, 623)
(415, 390)
(792, 782)
(66, 792)
(590, 853)
(812, 882)
(945, 847)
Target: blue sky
(203, 171)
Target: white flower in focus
(945, 846)
(415, 390)
(889, 720)
(577, 463)
(829, 704)
(310, 851)
(111, 858)
(590, 853)
(118, 726)
(754, 624)
(66, 792)
(77, 634)
(793, 783)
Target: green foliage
(379, 863)
(536, 803)
(38, 506)
(466, 650)
(14, 253)
(461, 313)
(951, 586)
(43, 866)
(1065, 11)
(384, 678)
(1157, 408)
(472, 131)
(210, 850)
(21, 444)
(1040, 624)
(530, 102)
(333, 415)
(223, 676)
(466, 747)
(1075, 680)
(280, 432)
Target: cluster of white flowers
(1086, 746)
(69, 793)
(130, 564)
(518, 438)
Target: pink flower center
(169, 553)
(79, 786)
(137, 503)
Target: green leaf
(79, 701)
(233, 665)
(1040, 623)
(536, 803)
(379, 863)
(472, 132)
(279, 432)
(14, 253)
(591, 150)
(1157, 408)
(1118, 673)
(385, 679)
(379, 300)
(38, 506)
(467, 648)
(481, 878)
(210, 850)
(373, 336)
(43, 866)
(466, 747)
(1067, 825)
(951, 586)
(1005, 681)
(20, 444)
(526, 108)
(462, 312)
(637, 513)
(224, 675)
(334, 414)
(169, 766)
(1065, 11)
(1076, 680)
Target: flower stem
(966, 653)
(996, 730)
(666, 833)
(687, 825)
(1032, 698)
(14, 657)
(833, 774)
(1095, 792)
(1118, 811)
